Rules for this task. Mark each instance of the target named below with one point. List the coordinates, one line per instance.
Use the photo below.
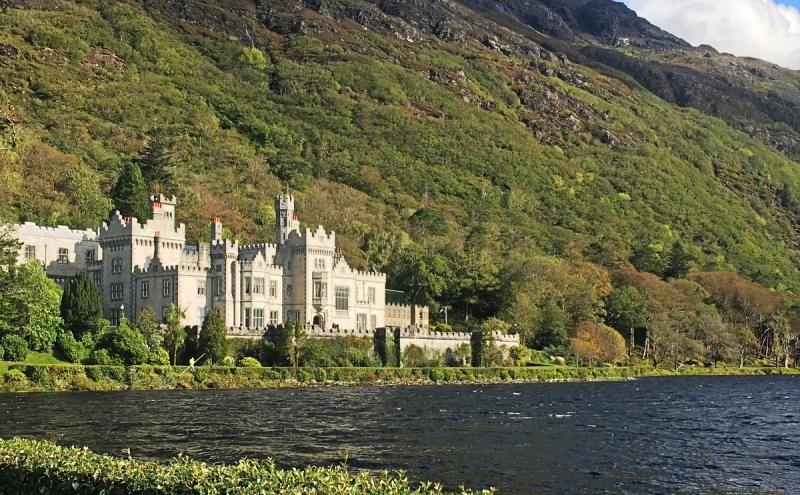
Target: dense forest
(485, 166)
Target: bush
(70, 349)
(13, 376)
(159, 357)
(320, 375)
(95, 373)
(38, 374)
(303, 376)
(248, 362)
(16, 349)
(2, 352)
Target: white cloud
(754, 28)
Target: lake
(678, 435)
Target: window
(320, 290)
(273, 288)
(30, 252)
(201, 316)
(63, 255)
(164, 313)
(319, 264)
(273, 318)
(201, 287)
(342, 295)
(247, 317)
(97, 278)
(373, 322)
(116, 292)
(220, 286)
(247, 285)
(166, 287)
(145, 290)
(90, 256)
(361, 322)
(258, 318)
(371, 295)
(116, 265)
(115, 312)
(258, 285)
(288, 291)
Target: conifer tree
(81, 306)
(130, 193)
(213, 340)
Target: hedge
(30, 466)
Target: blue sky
(766, 29)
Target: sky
(765, 29)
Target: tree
(746, 343)
(126, 344)
(175, 334)
(626, 310)
(81, 306)
(597, 342)
(213, 340)
(130, 193)
(519, 354)
(423, 274)
(90, 205)
(291, 341)
(29, 307)
(677, 262)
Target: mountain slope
(472, 133)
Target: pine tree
(130, 193)
(81, 306)
(213, 340)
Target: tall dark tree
(677, 262)
(213, 340)
(81, 306)
(130, 193)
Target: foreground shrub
(29, 466)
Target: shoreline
(65, 378)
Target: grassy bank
(29, 466)
(58, 377)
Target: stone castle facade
(255, 288)
(138, 265)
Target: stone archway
(318, 321)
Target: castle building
(139, 265)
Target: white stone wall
(44, 244)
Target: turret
(216, 230)
(162, 208)
(285, 221)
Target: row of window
(254, 318)
(256, 286)
(63, 254)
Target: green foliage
(130, 193)
(124, 346)
(248, 362)
(42, 467)
(81, 306)
(16, 348)
(72, 350)
(213, 339)
(175, 335)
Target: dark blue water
(688, 435)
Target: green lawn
(43, 358)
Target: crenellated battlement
(307, 237)
(30, 228)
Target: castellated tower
(285, 220)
